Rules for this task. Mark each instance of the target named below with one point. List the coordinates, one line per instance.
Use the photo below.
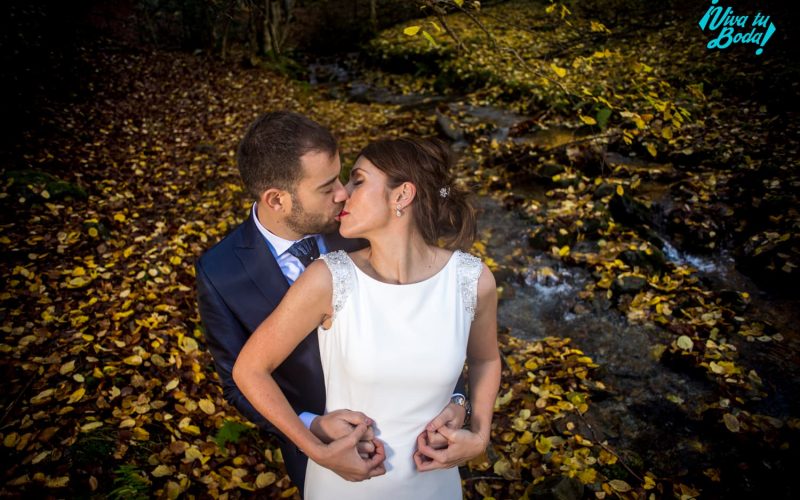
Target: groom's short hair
(269, 155)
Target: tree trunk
(226, 28)
(277, 20)
(268, 35)
(373, 15)
(257, 29)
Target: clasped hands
(352, 451)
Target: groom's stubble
(305, 223)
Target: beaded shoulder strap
(341, 268)
(469, 270)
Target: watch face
(459, 400)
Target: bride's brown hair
(442, 210)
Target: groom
(290, 165)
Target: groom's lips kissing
(341, 214)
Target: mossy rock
(58, 189)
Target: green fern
(130, 484)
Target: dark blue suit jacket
(239, 284)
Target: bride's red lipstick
(342, 214)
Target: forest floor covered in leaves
(109, 201)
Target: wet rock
(603, 190)
(538, 240)
(564, 182)
(635, 214)
(557, 488)
(596, 224)
(629, 284)
(734, 300)
(586, 157)
(593, 227)
(770, 263)
(653, 263)
(505, 274)
(548, 170)
(695, 231)
(422, 103)
(651, 236)
(627, 210)
(447, 127)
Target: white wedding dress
(395, 353)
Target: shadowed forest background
(638, 205)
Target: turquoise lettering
(724, 39)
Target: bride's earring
(397, 211)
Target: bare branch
(481, 26)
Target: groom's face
(318, 196)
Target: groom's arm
(225, 337)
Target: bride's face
(368, 207)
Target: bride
(396, 321)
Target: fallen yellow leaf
(265, 479)
(76, 396)
(207, 406)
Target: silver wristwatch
(462, 401)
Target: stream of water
(649, 409)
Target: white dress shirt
(289, 264)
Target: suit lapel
(261, 266)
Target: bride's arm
(483, 358)
(304, 307)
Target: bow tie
(306, 250)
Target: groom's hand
(451, 417)
(339, 423)
(342, 457)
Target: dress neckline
(426, 280)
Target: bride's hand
(452, 416)
(462, 445)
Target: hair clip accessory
(444, 192)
